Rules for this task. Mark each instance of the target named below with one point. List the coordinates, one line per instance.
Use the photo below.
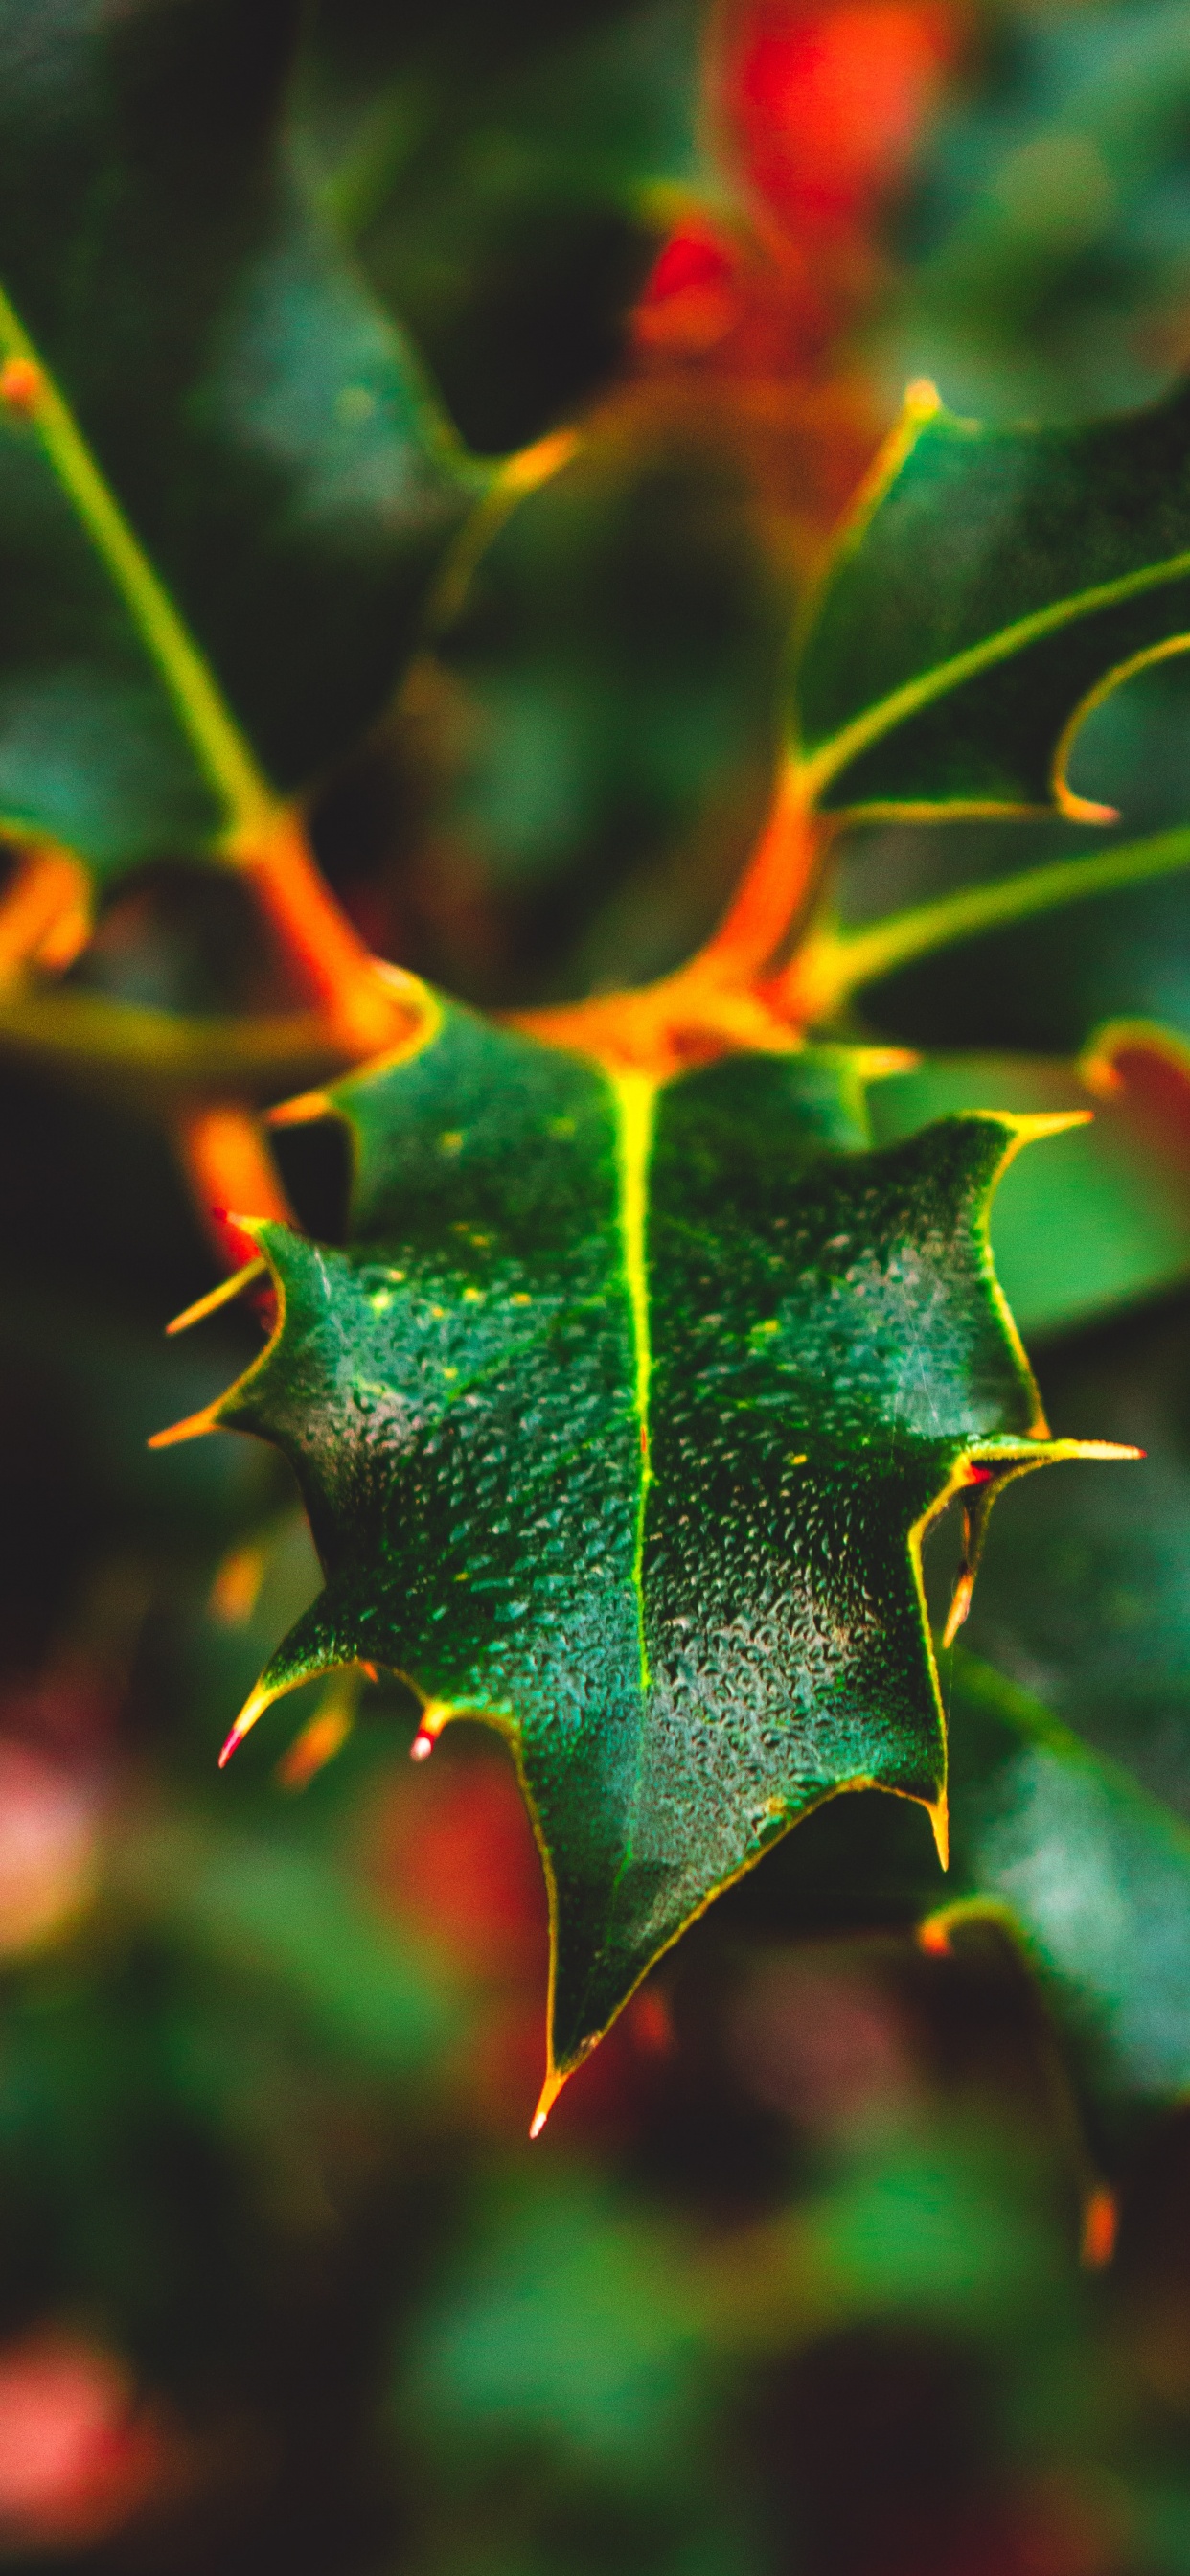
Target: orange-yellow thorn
(21, 382)
(236, 1588)
(217, 1297)
(1101, 2220)
(317, 1743)
(959, 1607)
(251, 1710)
(193, 1428)
(939, 1815)
(433, 1718)
(549, 2094)
(300, 1111)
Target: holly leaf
(223, 485)
(1104, 1218)
(618, 1421)
(507, 179)
(993, 585)
(1084, 1870)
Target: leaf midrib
(837, 751)
(249, 803)
(634, 1097)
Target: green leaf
(223, 488)
(1041, 979)
(600, 724)
(1088, 1606)
(506, 178)
(1089, 1873)
(1050, 238)
(1095, 1874)
(1103, 1218)
(993, 584)
(618, 1423)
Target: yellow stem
(31, 394)
(834, 964)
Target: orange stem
(330, 962)
(226, 1159)
(45, 914)
(714, 1005)
(774, 888)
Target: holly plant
(655, 1342)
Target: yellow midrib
(817, 769)
(635, 1097)
(221, 751)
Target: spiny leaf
(993, 583)
(1105, 1217)
(618, 1423)
(223, 488)
(1086, 1871)
(1093, 1872)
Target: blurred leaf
(1047, 239)
(1045, 984)
(1088, 1605)
(592, 743)
(275, 1914)
(576, 2320)
(1103, 1216)
(547, 1414)
(1089, 1872)
(506, 180)
(1095, 1872)
(238, 591)
(991, 581)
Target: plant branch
(834, 964)
(44, 912)
(711, 1006)
(362, 1004)
(226, 1159)
(161, 1057)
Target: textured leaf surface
(1100, 1219)
(261, 431)
(992, 580)
(617, 1423)
(1089, 1606)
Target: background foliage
(811, 2269)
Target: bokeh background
(843, 2257)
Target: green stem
(248, 800)
(817, 768)
(162, 1058)
(840, 963)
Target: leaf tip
(1031, 1125)
(939, 1815)
(922, 398)
(251, 1710)
(549, 2094)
